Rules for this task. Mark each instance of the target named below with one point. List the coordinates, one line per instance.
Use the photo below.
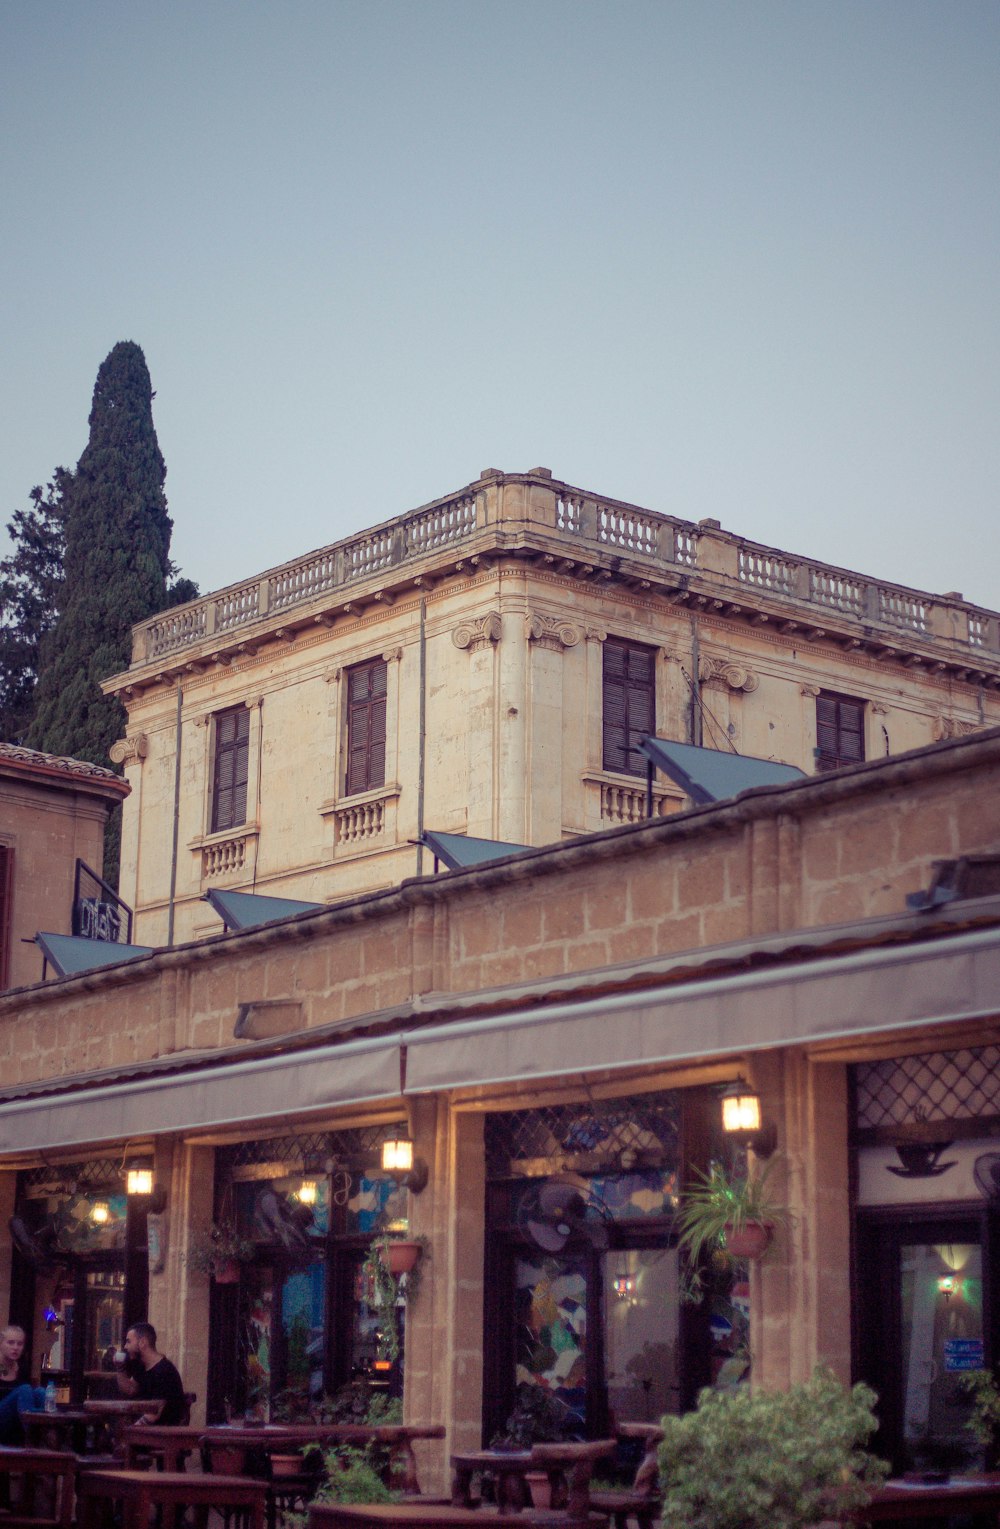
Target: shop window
(367, 687)
(840, 731)
(230, 769)
(629, 703)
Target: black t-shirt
(163, 1382)
(20, 1379)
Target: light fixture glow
(624, 1287)
(100, 1212)
(397, 1155)
(307, 1192)
(139, 1181)
(741, 1112)
(946, 1285)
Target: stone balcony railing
(530, 511)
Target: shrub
(770, 1460)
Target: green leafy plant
(717, 1200)
(218, 1243)
(350, 1476)
(770, 1460)
(388, 1289)
(537, 1417)
(984, 1419)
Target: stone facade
(490, 609)
(52, 812)
(692, 896)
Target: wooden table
(568, 1467)
(396, 1438)
(118, 1414)
(64, 1429)
(379, 1515)
(898, 1501)
(171, 1443)
(138, 1491)
(56, 1464)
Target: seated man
(147, 1375)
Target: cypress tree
(115, 568)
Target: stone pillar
(178, 1297)
(444, 1359)
(800, 1291)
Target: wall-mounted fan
(37, 1248)
(986, 1172)
(276, 1221)
(561, 1209)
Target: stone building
(485, 665)
(568, 1013)
(53, 813)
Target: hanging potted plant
(389, 1289)
(734, 1217)
(219, 1250)
(400, 1254)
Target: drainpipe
(694, 728)
(177, 816)
(422, 732)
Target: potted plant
(350, 1476)
(389, 1288)
(219, 1250)
(537, 1417)
(734, 1216)
(984, 1419)
(770, 1460)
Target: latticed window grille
(940, 1085)
(589, 1137)
(97, 1173)
(351, 1148)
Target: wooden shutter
(232, 759)
(6, 909)
(840, 731)
(629, 699)
(367, 687)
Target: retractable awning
(457, 851)
(248, 910)
(709, 775)
(860, 994)
(71, 954)
(250, 1089)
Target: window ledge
(239, 831)
(224, 855)
(359, 799)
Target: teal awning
(247, 910)
(457, 851)
(709, 775)
(71, 954)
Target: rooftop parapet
(530, 515)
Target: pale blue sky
(729, 259)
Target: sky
(738, 260)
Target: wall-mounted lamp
(141, 1182)
(306, 1192)
(946, 1285)
(624, 1287)
(100, 1212)
(398, 1159)
(743, 1120)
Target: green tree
(116, 568)
(30, 584)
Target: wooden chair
(641, 1501)
(55, 1468)
(569, 1468)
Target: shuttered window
(229, 776)
(840, 731)
(366, 694)
(629, 703)
(6, 900)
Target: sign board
(963, 1354)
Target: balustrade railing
(643, 535)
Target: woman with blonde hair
(17, 1395)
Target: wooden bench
(139, 1491)
(34, 1466)
(641, 1501)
